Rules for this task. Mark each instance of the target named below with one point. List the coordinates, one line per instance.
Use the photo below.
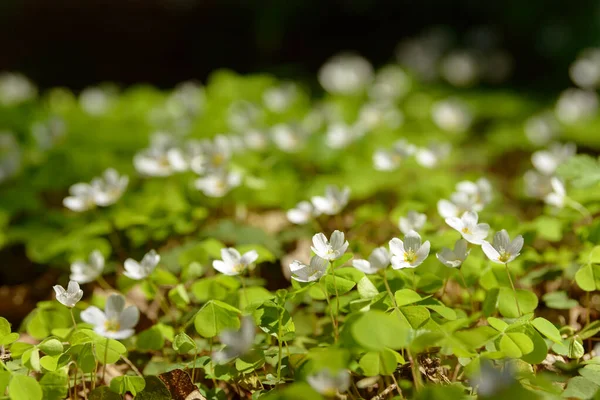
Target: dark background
(75, 43)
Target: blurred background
(75, 44)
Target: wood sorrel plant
(231, 298)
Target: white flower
(187, 99)
(479, 192)
(255, 139)
(414, 221)
(82, 197)
(379, 259)
(109, 188)
(302, 213)
(333, 202)
(278, 99)
(15, 89)
(459, 203)
(329, 249)
(311, 272)
(48, 132)
(243, 115)
(388, 160)
(380, 114)
(68, 297)
(542, 128)
(537, 185)
(410, 253)
(82, 272)
(345, 74)
(468, 227)
(218, 184)
(547, 161)
(502, 250)
(116, 322)
(558, 196)
(461, 68)
(391, 83)
(585, 71)
(340, 135)
(328, 384)
(430, 156)
(451, 115)
(214, 156)
(144, 268)
(288, 138)
(237, 343)
(576, 105)
(96, 101)
(233, 262)
(162, 158)
(454, 258)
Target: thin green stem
(244, 290)
(73, 318)
(514, 290)
(414, 279)
(162, 300)
(105, 359)
(194, 362)
(280, 343)
(413, 361)
(579, 208)
(132, 366)
(335, 332)
(102, 282)
(337, 299)
(212, 365)
(464, 281)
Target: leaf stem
(73, 318)
(335, 331)
(464, 281)
(280, 344)
(105, 358)
(514, 290)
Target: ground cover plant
(394, 237)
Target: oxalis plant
(392, 239)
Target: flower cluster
(332, 203)
(428, 157)
(103, 191)
(469, 196)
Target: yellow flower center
(112, 325)
(504, 255)
(465, 230)
(410, 256)
(218, 159)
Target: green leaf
(547, 329)
(581, 170)
(590, 330)
(594, 257)
(376, 330)
(179, 296)
(332, 283)
(406, 296)
(31, 358)
(22, 387)
(575, 348)
(366, 289)
(214, 317)
(113, 351)
(540, 348)
(559, 300)
(580, 388)
(4, 327)
(250, 362)
(515, 344)
(103, 393)
(127, 383)
(375, 363)
(489, 304)
(9, 339)
(275, 320)
(155, 389)
(497, 324)
(588, 277)
(591, 372)
(4, 379)
(252, 295)
(183, 343)
(507, 306)
(150, 339)
(49, 363)
(51, 347)
(54, 385)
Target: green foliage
(250, 333)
